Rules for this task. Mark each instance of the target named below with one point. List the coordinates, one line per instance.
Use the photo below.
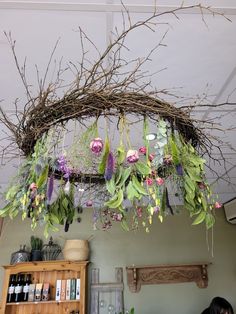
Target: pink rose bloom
(96, 145)
(149, 181)
(132, 156)
(33, 186)
(143, 150)
(89, 203)
(218, 205)
(160, 181)
(151, 157)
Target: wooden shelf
(50, 272)
(160, 274)
(42, 302)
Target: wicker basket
(76, 250)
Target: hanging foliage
(130, 185)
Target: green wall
(175, 241)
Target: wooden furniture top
(45, 266)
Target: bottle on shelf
(19, 288)
(27, 282)
(11, 289)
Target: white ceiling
(199, 57)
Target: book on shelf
(73, 289)
(38, 291)
(46, 292)
(31, 292)
(58, 290)
(63, 289)
(68, 289)
(77, 296)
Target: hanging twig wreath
(131, 185)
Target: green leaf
(131, 192)
(116, 200)
(102, 165)
(124, 225)
(11, 193)
(65, 203)
(137, 185)
(174, 150)
(120, 154)
(200, 218)
(43, 177)
(54, 219)
(5, 210)
(110, 185)
(125, 175)
(163, 202)
(210, 220)
(142, 168)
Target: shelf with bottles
(55, 276)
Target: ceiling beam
(102, 7)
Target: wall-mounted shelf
(151, 275)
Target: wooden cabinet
(46, 271)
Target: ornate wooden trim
(151, 275)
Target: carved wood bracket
(151, 275)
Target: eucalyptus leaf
(120, 154)
(210, 220)
(142, 168)
(200, 218)
(110, 185)
(131, 192)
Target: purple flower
(50, 188)
(63, 167)
(96, 145)
(109, 167)
(132, 156)
(179, 170)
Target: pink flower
(132, 156)
(156, 209)
(149, 181)
(201, 185)
(143, 150)
(167, 159)
(160, 181)
(139, 212)
(151, 157)
(96, 145)
(89, 203)
(33, 186)
(218, 205)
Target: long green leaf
(43, 177)
(102, 165)
(200, 218)
(142, 168)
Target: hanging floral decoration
(124, 183)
